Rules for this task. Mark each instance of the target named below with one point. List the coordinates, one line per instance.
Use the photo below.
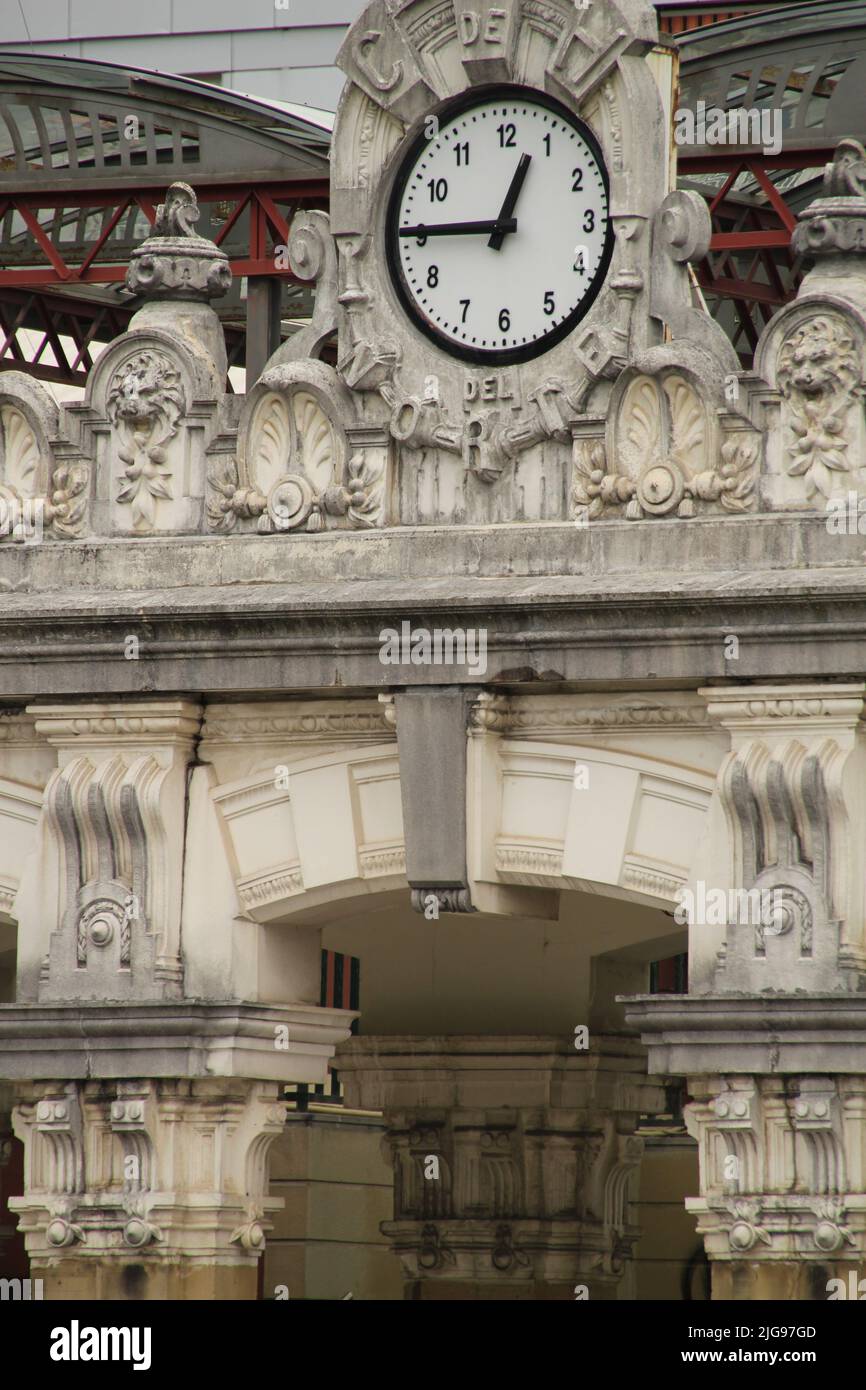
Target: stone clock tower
(500, 249)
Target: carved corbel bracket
(786, 790)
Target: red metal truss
(68, 327)
(750, 261)
(270, 212)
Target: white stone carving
(667, 455)
(819, 377)
(787, 791)
(782, 1166)
(145, 402)
(113, 824)
(201, 1150)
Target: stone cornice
(703, 1035)
(188, 1038)
(129, 723)
(550, 715)
(382, 1072)
(18, 729)
(753, 710)
(286, 723)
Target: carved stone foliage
(302, 467)
(786, 792)
(145, 402)
(156, 1170)
(39, 490)
(819, 377)
(664, 455)
(782, 1166)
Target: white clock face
(498, 228)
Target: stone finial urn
(834, 225)
(175, 262)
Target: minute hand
(460, 228)
(507, 209)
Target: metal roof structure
(87, 150)
(806, 62)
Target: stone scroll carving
(112, 824)
(43, 488)
(786, 790)
(780, 1167)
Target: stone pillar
(146, 1115)
(772, 1035)
(513, 1160)
(147, 1189)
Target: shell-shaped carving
(20, 452)
(271, 441)
(642, 425)
(292, 433)
(317, 439)
(688, 424)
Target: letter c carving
(366, 42)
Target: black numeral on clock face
(472, 249)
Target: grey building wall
(258, 47)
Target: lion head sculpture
(147, 393)
(819, 359)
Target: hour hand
(460, 228)
(507, 209)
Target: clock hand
(460, 228)
(507, 209)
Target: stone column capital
(513, 1157)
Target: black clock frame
(492, 357)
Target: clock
(498, 230)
